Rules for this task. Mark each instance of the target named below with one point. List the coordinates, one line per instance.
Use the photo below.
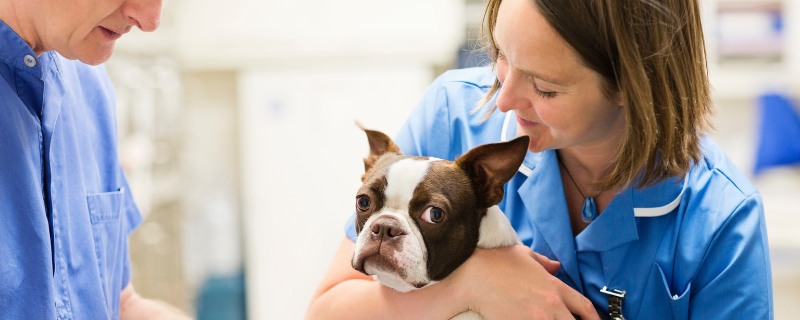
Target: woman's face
(558, 101)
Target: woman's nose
(510, 96)
(144, 14)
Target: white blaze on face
(402, 179)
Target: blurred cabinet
(753, 46)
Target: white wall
(247, 33)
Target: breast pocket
(105, 210)
(661, 301)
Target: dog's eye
(433, 215)
(362, 203)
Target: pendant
(589, 212)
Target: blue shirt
(65, 206)
(683, 248)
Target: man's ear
(379, 144)
(490, 166)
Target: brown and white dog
(419, 218)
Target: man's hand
(134, 307)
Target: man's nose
(144, 14)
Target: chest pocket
(105, 210)
(660, 300)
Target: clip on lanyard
(614, 303)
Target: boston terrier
(419, 218)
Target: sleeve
(425, 133)
(133, 218)
(427, 130)
(735, 278)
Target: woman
(620, 186)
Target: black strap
(615, 307)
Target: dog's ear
(490, 166)
(379, 144)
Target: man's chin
(95, 55)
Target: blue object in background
(779, 141)
(222, 298)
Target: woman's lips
(110, 35)
(525, 123)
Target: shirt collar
(547, 208)
(15, 52)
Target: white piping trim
(504, 132)
(504, 137)
(660, 211)
(637, 212)
(525, 170)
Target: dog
(419, 218)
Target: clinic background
(236, 130)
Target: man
(65, 206)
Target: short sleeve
(350, 228)
(735, 278)
(427, 130)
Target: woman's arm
(345, 293)
(503, 283)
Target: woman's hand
(505, 283)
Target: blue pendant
(589, 212)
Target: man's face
(87, 29)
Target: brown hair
(652, 53)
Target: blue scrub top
(684, 248)
(65, 206)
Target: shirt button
(29, 61)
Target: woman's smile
(524, 122)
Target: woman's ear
(490, 166)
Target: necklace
(589, 211)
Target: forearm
(365, 299)
(134, 307)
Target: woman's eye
(362, 203)
(433, 215)
(544, 94)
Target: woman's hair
(651, 54)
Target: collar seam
(54, 56)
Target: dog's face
(419, 218)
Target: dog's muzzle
(384, 238)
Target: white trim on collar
(637, 212)
(660, 211)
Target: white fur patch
(402, 178)
(496, 231)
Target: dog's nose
(386, 229)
